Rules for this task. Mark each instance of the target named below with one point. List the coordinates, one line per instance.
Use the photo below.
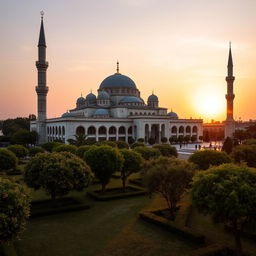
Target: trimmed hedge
(35, 150)
(148, 153)
(81, 150)
(49, 146)
(97, 195)
(65, 148)
(19, 150)
(183, 231)
(137, 144)
(166, 150)
(8, 160)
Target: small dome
(152, 97)
(80, 100)
(173, 115)
(91, 97)
(101, 112)
(116, 81)
(131, 99)
(103, 96)
(67, 114)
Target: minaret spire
(117, 67)
(41, 87)
(230, 123)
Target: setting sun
(209, 103)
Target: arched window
(188, 129)
(130, 113)
(102, 130)
(80, 130)
(194, 129)
(63, 130)
(174, 129)
(91, 130)
(48, 130)
(181, 129)
(130, 130)
(56, 130)
(112, 130)
(59, 130)
(121, 130)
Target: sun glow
(210, 104)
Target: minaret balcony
(42, 64)
(42, 89)
(230, 96)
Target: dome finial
(153, 92)
(91, 90)
(81, 94)
(117, 67)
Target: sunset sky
(177, 48)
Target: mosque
(117, 112)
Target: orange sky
(179, 49)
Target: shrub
(169, 177)
(57, 173)
(164, 140)
(228, 193)
(137, 144)
(8, 160)
(245, 153)
(250, 142)
(65, 148)
(166, 150)
(132, 164)
(81, 150)
(227, 145)
(148, 153)
(106, 143)
(122, 144)
(151, 141)
(19, 150)
(131, 140)
(48, 146)
(104, 161)
(35, 150)
(140, 140)
(205, 158)
(14, 209)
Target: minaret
(41, 88)
(230, 122)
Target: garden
(118, 199)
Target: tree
(166, 150)
(227, 145)
(48, 146)
(121, 144)
(14, 210)
(57, 173)
(137, 144)
(169, 177)
(151, 141)
(104, 161)
(147, 153)
(131, 140)
(163, 139)
(8, 160)
(245, 153)
(24, 137)
(250, 142)
(35, 150)
(132, 163)
(80, 140)
(205, 158)
(19, 150)
(228, 193)
(10, 126)
(81, 150)
(141, 140)
(65, 148)
(106, 143)
(240, 135)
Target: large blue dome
(131, 99)
(116, 81)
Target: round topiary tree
(140, 140)
(227, 145)
(57, 173)
(169, 177)
(131, 140)
(19, 150)
(151, 141)
(104, 161)
(121, 144)
(228, 193)
(35, 150)
(166, 150)
(245, 153)
(81, 150)
(8, 160)
(164, 140)
(14, 209)
(65, 148)
(137, 144)
(132, 164)
(106, 143)
(205, 158)
(48, 146)
(148, 153)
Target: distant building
(117, 113)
